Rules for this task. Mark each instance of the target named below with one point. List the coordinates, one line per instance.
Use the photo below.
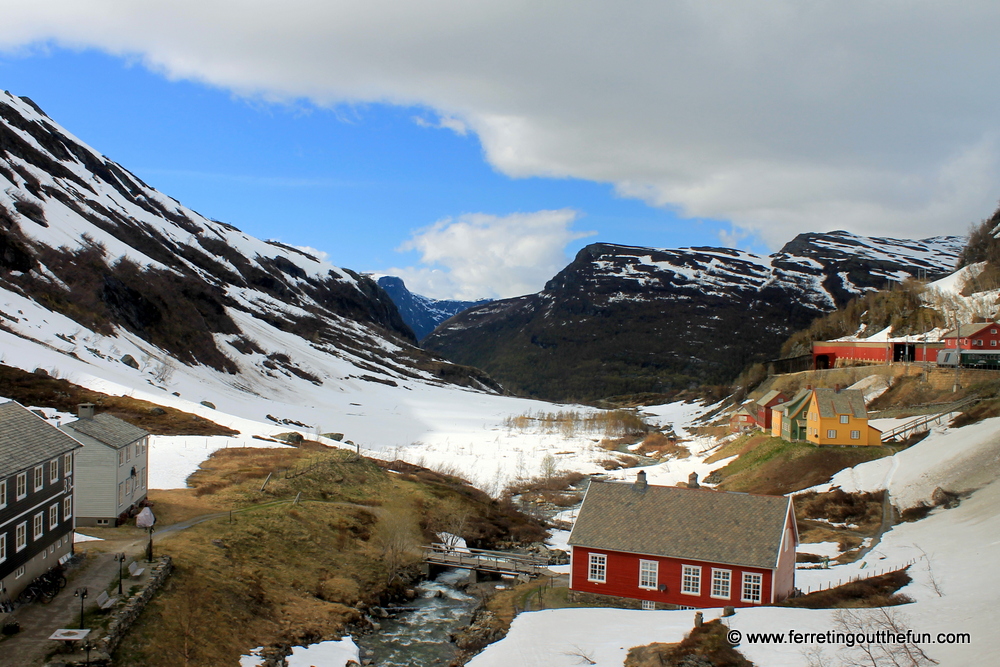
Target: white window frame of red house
(691, 579)
(753, 587)
(720, 577)
(597, 568)
(649, 574)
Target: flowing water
(418, 637)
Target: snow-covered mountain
(105, 270)
(423, 314)
(625, 320)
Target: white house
(111, 469)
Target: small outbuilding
(664, 547)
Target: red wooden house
(671, 547)
(978, 336)
(764, 405)
(742, 420)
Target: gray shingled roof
(968, 330)
(768, 397)
(27, 440)
(108, 429)
(844, 402)
(714, 526)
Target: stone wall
(598, 600)
(123, 617)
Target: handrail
(914, 424)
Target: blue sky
(542, 126)
(355, 181)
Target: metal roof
(969, 330)
(107, 429)
(699, 524)
(27, 440)
(844, 402)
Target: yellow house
(839, 417)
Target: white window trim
(855, 435)
(729, 584)
(648, 605)
(38, 526)
(845, 419)
(67, 464)
(53, 516)
(831, 433)
(19, 572)
(67, 508)
(748, 579)
(21, 536)
(689, 571)
(655, 574)
(597, 563)
(53, 471)
(3, 493)
(3, 547)
(21, 482)
(39, 478)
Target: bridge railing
(482, 559)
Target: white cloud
(477, 255)
(785, 116)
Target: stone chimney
(85, 411)
(693, 481)
(640, 480)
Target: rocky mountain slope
(422, 314)
(625, 320)
(104, 269)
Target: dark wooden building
(36, 496)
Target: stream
(418, 637)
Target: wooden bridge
(926, 422)
(480, 560)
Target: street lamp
(121, 561)
(82, 594)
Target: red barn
(670, 547)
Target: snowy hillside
(625, 320)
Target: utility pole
(958, 354)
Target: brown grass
(708, 642)
(658, 445)
(41, 390)
(295, 574)
(879, 591)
